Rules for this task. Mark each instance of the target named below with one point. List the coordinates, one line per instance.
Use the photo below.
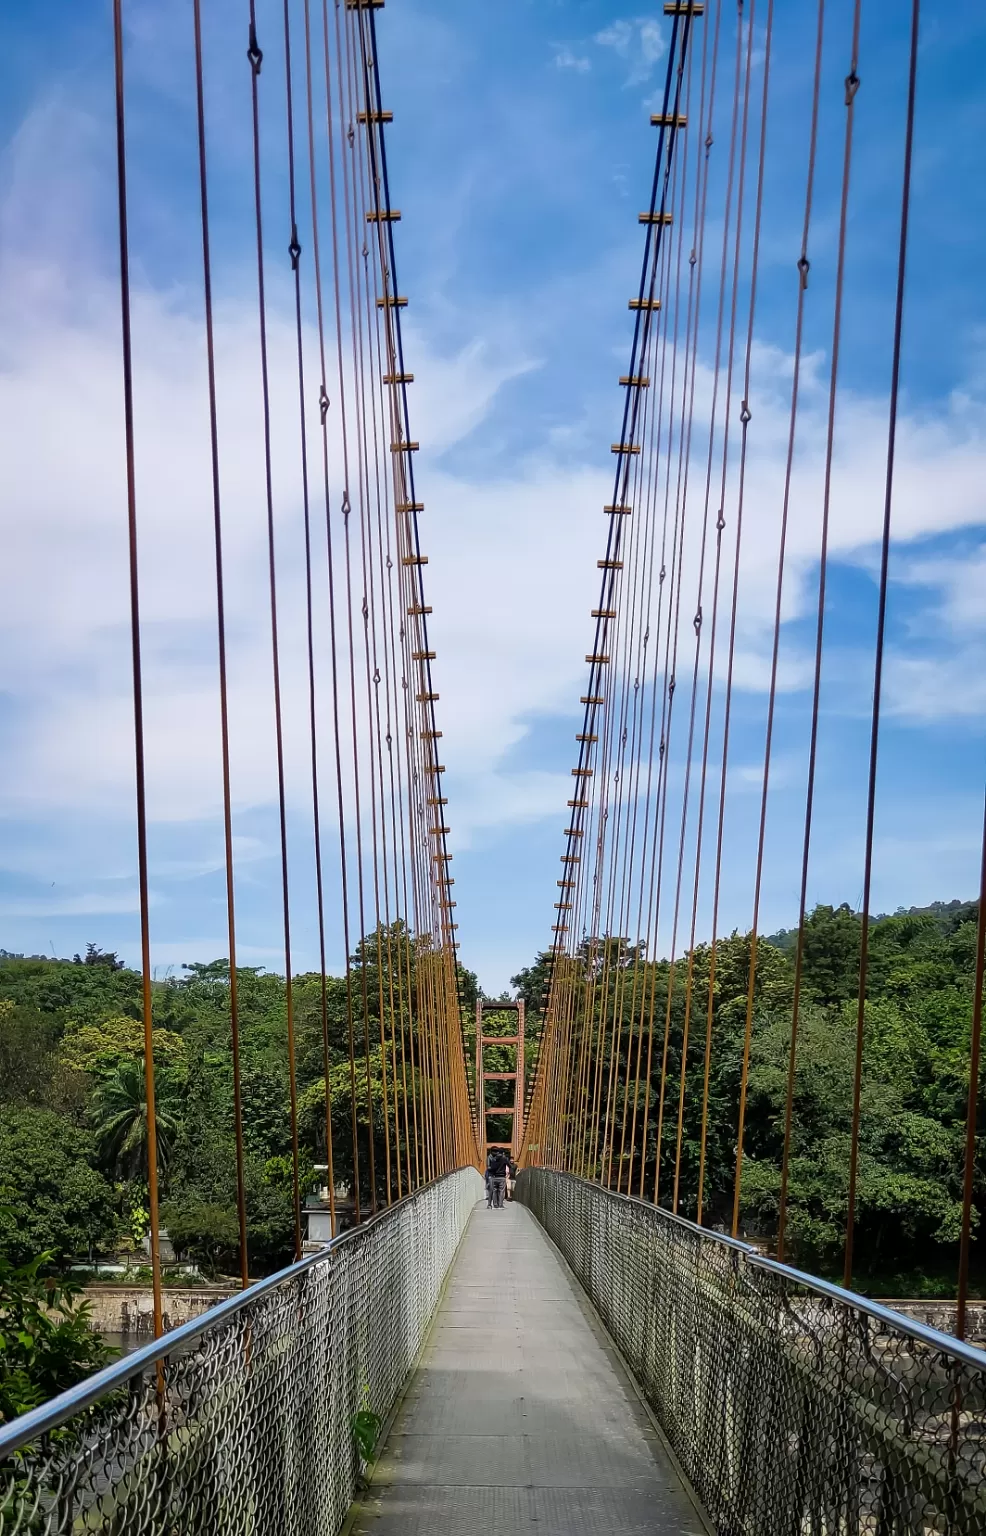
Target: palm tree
(121, 1121)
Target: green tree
(54, 1199)
(47, 1343)
(120, 1108)
(205, 1232)
(31, 1068)
(102, 1048)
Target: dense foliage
(46, 1342)
(73, 1126)
(915, 1082)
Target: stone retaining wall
(128, 1310)
(941, 1315)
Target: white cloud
(512, 557)
(638, 42)
(567, 58)
(91, 904)
(960, 584)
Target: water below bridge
(520, 1417)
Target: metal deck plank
(520, 1417)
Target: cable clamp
(253, 51)
(852, 86)
(294, 249)
(720, 521)
(745, 412)
(323, 403)
(697, 621)
(346, 507)
(804, 266)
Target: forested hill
(949, 914)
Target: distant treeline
(73, 1131)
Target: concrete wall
(129, 1310)
(941, 1315)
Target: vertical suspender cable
(851, 88)
(234, 1009)
(905, 205)
(745, 418)
(803, 268)
(138, 692)
(256, 57)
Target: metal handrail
(791, 1403)
(935, 1337)
(39, 1423)
(48, 1416)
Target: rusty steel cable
(438, 901)
(147, 1002)
(673, 577)
(669, 125)
(698, 620)
(295, 253)
(210, 351)
(344, 52)
(255, 59)
(727, 284)
(881, 626)
(338, 671)
(745, 417)
(851, 89)
(447, 1018)
(972, 1104)
(640, 929)
(654, 220)
(803, 266)
(652, 790)
(323, 399)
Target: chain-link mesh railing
(793, 1406)
(244, 1421)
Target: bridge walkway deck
(520, 1417)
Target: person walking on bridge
(488, 1178)
(499, 1163)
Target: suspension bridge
(609, 1351)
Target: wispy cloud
(639, 43)
(567, 58)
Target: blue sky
(520, 155)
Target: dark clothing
(498, 1165)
